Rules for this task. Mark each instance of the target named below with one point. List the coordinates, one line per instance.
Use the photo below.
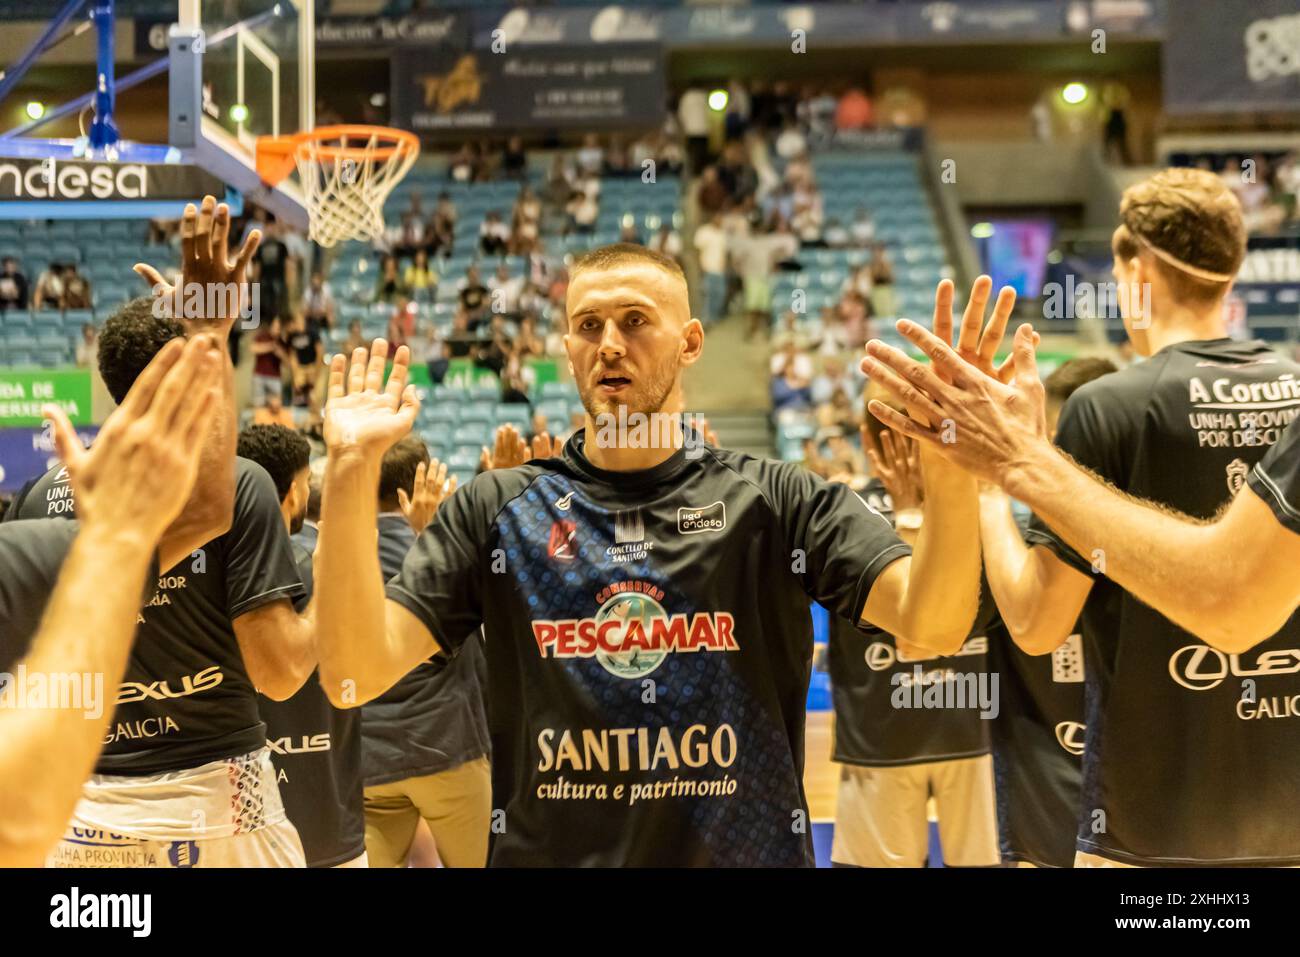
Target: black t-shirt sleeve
(1276, 478)
(31, 554)
(260, 565)
(838, 544)
(441, 579)
(1090, 432)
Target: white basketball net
(344, 195)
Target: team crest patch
(563, 544)
(1237, 471)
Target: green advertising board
(464, 373)
(24, 391)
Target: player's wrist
(120, 538)
(1034, 474)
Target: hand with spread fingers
(509, 451)
(973, 419)
(896, 461)
(363, 415)
(136, 478)
(211, 281)
(545, 447)
(431, 487)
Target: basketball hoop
(346, 173)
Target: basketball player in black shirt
(315, 747)
(70, 591)
(1190, 751)
(644, 597)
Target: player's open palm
(430, 489)
(896, 461)
(363, 414)
(141, 470)
(508, 451)
(214, 291)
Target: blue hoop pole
(103, 131)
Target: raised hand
(139, 474)
(363, 416)
(509, 451)
(431, 487)
(545, 447)
(988, 427)
(213, 292)
(897, 463)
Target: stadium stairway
(749, 432)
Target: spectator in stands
(882, 283)
(49, 288)
(667, 241)
(88, 347)
(435, 352)
(863, 227)
(401, 324)
(493, 235)
(473, 296)
(851, 326)
(583, 210)
(356, 339)
(858, 281)
(559, 186)
(306, 354)
(844, 462)
(276, 272)
(269, 355)
(836, 234)
(411, 235)
(710, 193)
(528, 344)
(461, 342)
(736, 173)
(837, 379)
(711, 249)
(505, 291)
(799, 170)
(628, 232)
(419, 279)
(514, 161)
(807, 215)
(794, 360)
(791, 381)
(388, 284)
(591, 156)
(465, 165)
(525, 222)
(415, 204)
(617, 159)
(13, 285)
(496, 350)
(791, 142)
(853, 112)
(736, 119)
(318, 306)
(76, 289)
(693, 114)
(755, 257)
(817, 113)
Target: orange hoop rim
(276, 156)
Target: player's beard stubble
(648, 393)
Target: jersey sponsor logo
(881, 655)
(564, 502)
(1237, 472)
(1067, 661)
(1223, 393)
(563, 545)
(207, 679)
(631, 634)
(1069, 735)
(1200, 667)
(183, 853)
(704, 518)
(144, 728)
(307, 744)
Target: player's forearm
(942, 595)
(1009, 566)
(349, 590)
(210, 508)
(86, 635)
(1157, 555)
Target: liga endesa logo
(631, 634)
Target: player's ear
(692, 341)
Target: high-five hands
(511, 450)
(986, 419)
(210, 278)
(432, 486)
(897, 463)
(363, 416)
